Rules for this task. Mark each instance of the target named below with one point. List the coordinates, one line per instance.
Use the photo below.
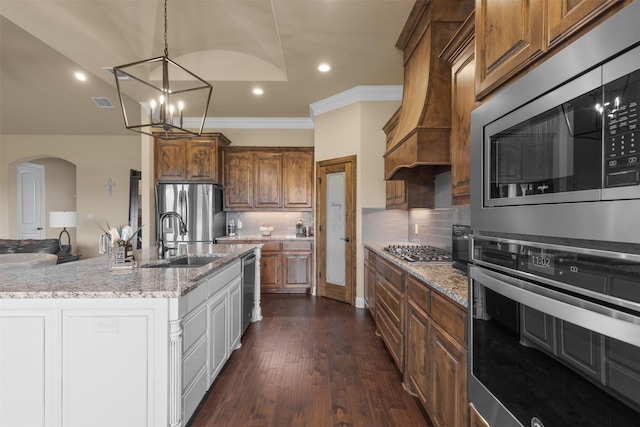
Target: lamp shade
(63, 219)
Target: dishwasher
(248, 288)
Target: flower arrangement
(120, 235)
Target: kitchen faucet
(162, 249)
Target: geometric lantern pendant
(170, 93)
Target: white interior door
(31, 217)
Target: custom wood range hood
(418, 135)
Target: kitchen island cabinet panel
(88, 347)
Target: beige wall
(357, 130)
(269, 137)
(96, 159)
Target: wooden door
(335, 207)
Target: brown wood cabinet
(515, 36)
(424, 332)
(390, 308)
(370, 281)
(268, 179)
(396, 194)
(460, 53)
(267, 170)
(297, 168)
(285, 266)
(189, 159)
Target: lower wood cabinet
(285, 266)
(370, 281)
(425, 333)
(390, 308)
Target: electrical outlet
(239, 225)
(105, 325)
(415, 228)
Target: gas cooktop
(419, 253)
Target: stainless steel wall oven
(555, 335)
(554, 281)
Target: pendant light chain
(166, 45)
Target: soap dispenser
(299, 232)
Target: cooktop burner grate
(419, 253)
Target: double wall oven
(554, 281)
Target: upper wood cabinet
(267, 169)
(189, 159)
(298, 179)
(268, 179)
(509, 36)
(460, 53)
(514, 36)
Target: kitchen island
(82, 346)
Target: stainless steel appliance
(460, 243)
(199, 206)
(248, 289)
(555, 335)
(554, 285)
(559, 147)
(419, 253)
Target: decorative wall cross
(109, 184)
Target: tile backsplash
(283, 223)
(433, 225)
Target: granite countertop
(92, 278)
(440, 276)
(244, 237)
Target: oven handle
(599, 318)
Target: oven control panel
(587, 271)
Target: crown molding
(356, 94)
(340, 100)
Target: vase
(116, 257)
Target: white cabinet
(210, 317)
(139, 362)
(79, 362)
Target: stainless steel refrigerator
(199, 206)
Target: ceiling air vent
(121, 75)
(102, 102)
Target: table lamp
(64, 220)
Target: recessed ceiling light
(81, 77)
(324, 68)
(258, 91)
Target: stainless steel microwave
(557, 153)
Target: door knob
(39, 228)
(346, 239)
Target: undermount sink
(185, 262)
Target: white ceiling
(234, 44)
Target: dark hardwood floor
(311, 361)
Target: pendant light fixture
(169, 92)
